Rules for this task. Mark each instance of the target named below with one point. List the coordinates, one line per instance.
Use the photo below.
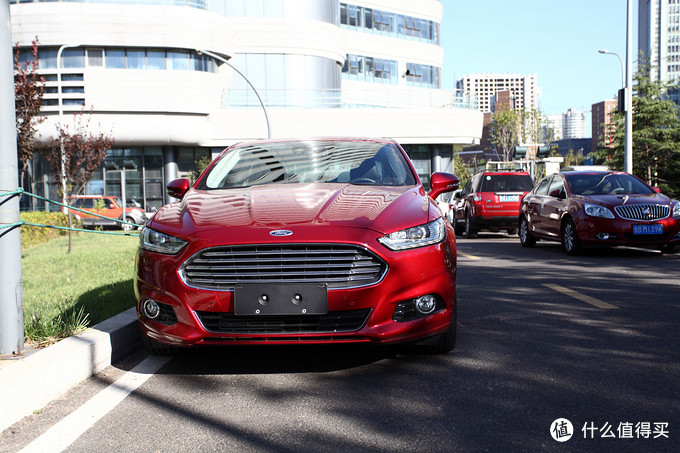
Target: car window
(354, 162)
(556, 185)
(86, 203)
(605, 184)
(466, 189)
(542, 188)
(506, 183)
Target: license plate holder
(642, 229)
(281, 299)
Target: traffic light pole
(11, 288)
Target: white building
(659, 37)
(573, 124)
(554, 123)
(322, 68)
(483, 87)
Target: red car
(300, 241)
(599, 208)
(490, 201)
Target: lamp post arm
(223, 60)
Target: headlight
(598, 211)
(158, 242)
(418, 236)
(676, 209)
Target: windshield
(354, 162)
(605, 184)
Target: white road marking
(71, 427)
(582, 297)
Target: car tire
(127, 227)
(446, 342)
(669, 249)
(470, 231)
(512, 231)
(525, 237)
(570, 241)
(459, 229)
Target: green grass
(65, 293)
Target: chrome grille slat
(643, 212)
(337, 265)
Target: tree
(459, 167)
(656, 135)
(28, 95)
(74, 156)
(505, 132)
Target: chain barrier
(9, 195)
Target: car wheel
(525, 237)
(470, 232)
(446, 342)
(460, 229)
(670, 248)
(126, 226)
(570, 241)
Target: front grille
(332, 322)
(337, 265)
(643, 211)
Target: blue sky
(557, 40)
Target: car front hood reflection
(612, 200)
(383, 209)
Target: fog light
(602, 236)
(426, 304)
(151, 309)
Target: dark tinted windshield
(605, 184)
(354, 162)
(506, 183)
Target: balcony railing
(200, 4)
(350, 98)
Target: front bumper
(410, 274)
(597, 231)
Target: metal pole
(628, 92)
(623, 71)
(223, 60)
(11, 285)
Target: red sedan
(305, 241)
(599, 208)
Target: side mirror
(457, 194)
(441, 183)
(112, 206)
(178, 187)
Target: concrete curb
(29, 384)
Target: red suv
(490, 201)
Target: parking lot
(542, 336)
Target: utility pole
(628, 92)
(11, 286)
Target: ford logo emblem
(280, 233)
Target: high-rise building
(154, 73)
(483, 87)
(553, 128)
(573, 124)
(601, 119)
(659, 37)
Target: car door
(534, 206)
(459, 210)
(553, 207)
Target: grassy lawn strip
(66, 293)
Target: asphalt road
(542, 336)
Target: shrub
(31, 235)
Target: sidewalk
(30, 383)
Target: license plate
(281, 299)
(655, 228)
(508, 198)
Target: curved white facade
(137, 67)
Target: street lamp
(623, 71)
(223, 60)
(61, 120)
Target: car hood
(621, 199)
(382, 209)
